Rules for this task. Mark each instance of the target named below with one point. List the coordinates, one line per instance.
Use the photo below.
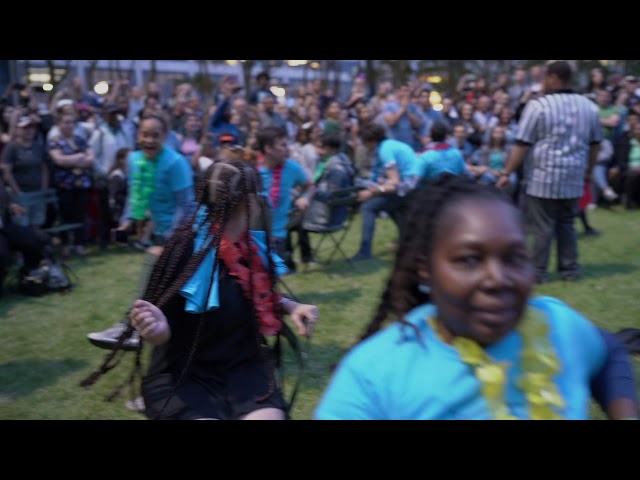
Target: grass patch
(45, 353)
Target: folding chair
(300, 351)
(345, 198)
(49, 197)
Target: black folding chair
(49, 197)
(336, 233)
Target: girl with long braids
(209, 306)
(468, 341)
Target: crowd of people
(208, 193)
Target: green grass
(45, 353)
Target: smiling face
(151, 135)
(479, 270)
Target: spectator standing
(117, 188)
(262, 89)
(26, 171)
(72, 178)
(402, 117)
(159, 191)
(564, 153)
(105, 142)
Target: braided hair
(227, 184)
(428, 206)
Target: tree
(52, 73)
(152, 70)
(247, 69)
(91, 70)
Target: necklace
(538, 361)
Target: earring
(424, 288)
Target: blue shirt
(403, 129)
(173, 173)
(393, 375)
(392, 152)
(436, 161)
(292, 176)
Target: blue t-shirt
(434, 162)
(392, 375)
(393, 152)
(173, 173)
(292, 176)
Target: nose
(496, 274)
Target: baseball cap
(63, 103)
(24, 121)
(226, 137)
(83, 107)
(111, 108)
(631, 79)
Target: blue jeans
(392, 204)
(600, 182)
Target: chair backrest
(39, 197)
(331, 205)
(333, 212)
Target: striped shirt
(561, 127)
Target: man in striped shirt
(563, 128)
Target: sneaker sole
(110, 345)
(135, 406)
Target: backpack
(50, 276)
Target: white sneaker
(609, 194)
(591, 206)
(137, 405)
(109, 338)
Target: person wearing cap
(26, 171)
(72, 177)
(220, 120)
(66, 106)
(227, 138)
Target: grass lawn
(45, 353)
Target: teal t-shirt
(393, 376)
(292, 175)
(434, 162)
(172, 173)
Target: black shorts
(228, 396)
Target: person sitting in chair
(34, 244)
(334, 172)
